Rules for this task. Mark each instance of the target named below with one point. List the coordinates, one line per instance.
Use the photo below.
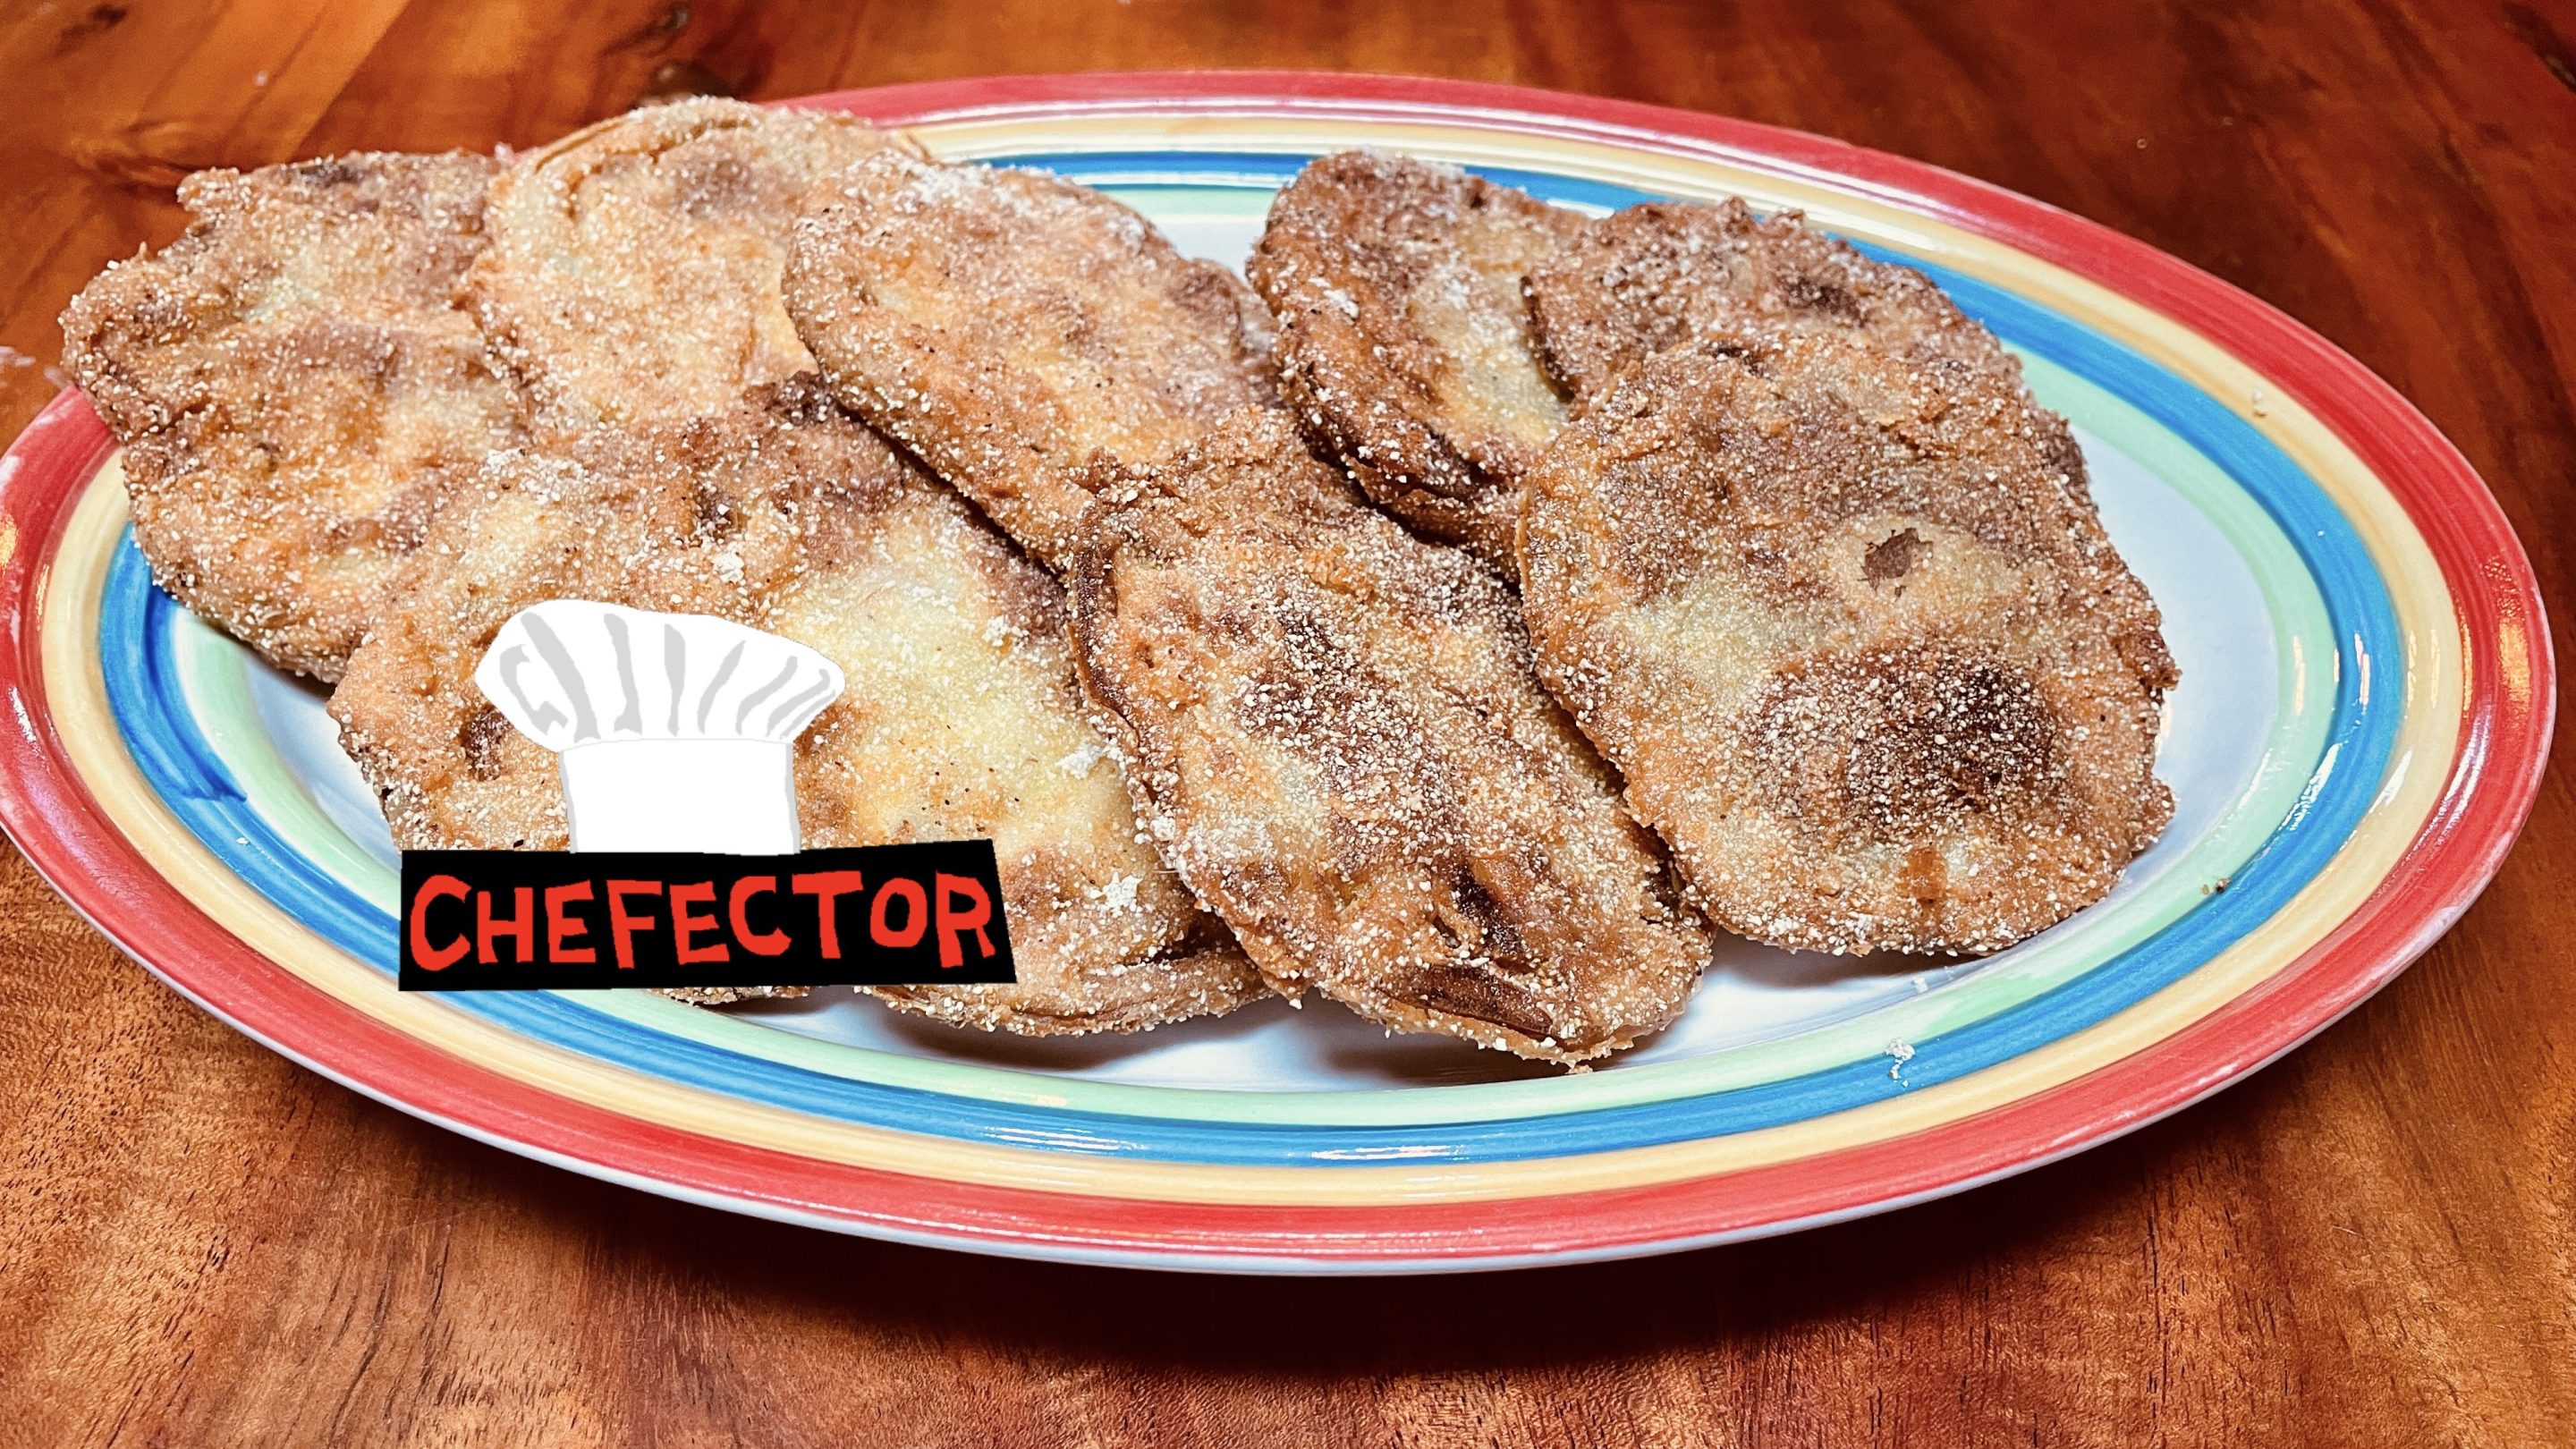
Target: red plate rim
(2508, 710)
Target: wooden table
(2373, 1242)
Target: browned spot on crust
(1483, 996)
(480, 741)
(1892, 557)
(1902, 744)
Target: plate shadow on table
(1325, 1329)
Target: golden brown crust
(1667, 272)
(727, 995)
(633, 273)
(295, 388)
(701, 521)
(1663, 273)
(960, 718)
(1856, 640)
(1011, 327)
(1404, 339)
(1208, 977)
(1333, 731)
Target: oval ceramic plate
(2363, 713)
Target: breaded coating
(296, 388)
(960, 719)
(1856, 640)
(1334, 733)
(633, 273)
(1667, 272)
(1013, 328)
(1404, 339)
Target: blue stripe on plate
(182, 766)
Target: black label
(880, 915)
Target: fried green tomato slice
(296, 388)
(1857, 642)
(1334, 733)
(1012, 328)
(961, 717)
(633, 274)
(1404, 340)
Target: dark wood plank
(2372, 1243)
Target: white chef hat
(672, 731)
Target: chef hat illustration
(672, 731)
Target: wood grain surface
(2371, 1243)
